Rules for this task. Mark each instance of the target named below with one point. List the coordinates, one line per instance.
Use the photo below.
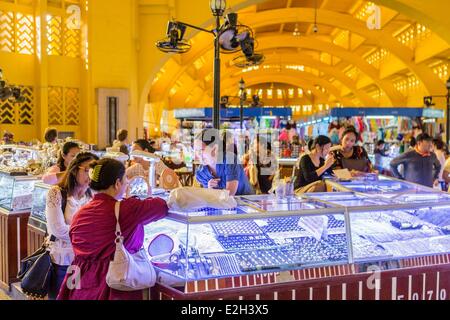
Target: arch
(380, 38)
(275, 41)
(269, 75)
(308, 61)
(423, 12)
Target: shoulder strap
(63, 199)
(117, 214)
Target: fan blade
(228, 41)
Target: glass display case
(16, 191)
(380, 185)
(268, 234)
(261, 234)
(37, 217)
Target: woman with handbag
(63, 201)
(93, 233)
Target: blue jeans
(58, 274)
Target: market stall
(315, 246)
(19, 172)
(388, 124)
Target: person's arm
(142, 212)
(232, 178)
(309, 171)
(369, 163)
(55, 216)
(395, 163)
(232, 187)
(205, 178)
(51, 176)
(437, 167)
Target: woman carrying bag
(93, 233)
(63, 201)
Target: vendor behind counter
(220, 167)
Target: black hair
(439, 144)
(208, 136)
(380, 142)
(122, 135)
(145, 145)
(320, 141)
(262, 139)
(69, 181)
(310, 144)
(111, 170)
(423, 137)
(350, 129)
(212, 137)
(50, 134)
(412, 142)
(64, 152)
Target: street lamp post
(218, 9)
(242, 98)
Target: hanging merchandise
(310, 131)
(302, 133)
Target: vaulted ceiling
(353, 65)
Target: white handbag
(129, 272)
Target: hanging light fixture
(218, 7)
(296, 32)
(315, 27)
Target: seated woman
(219, 169)
(93, 233)
(350, 156)
(66, 155)
(261, 165)
(313, 165)
(63, 200)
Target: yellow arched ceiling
(187, 79)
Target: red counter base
(35, 239)
(426, 278)
(13, 245)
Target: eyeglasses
(86, 170)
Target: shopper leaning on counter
(218, 170)
(420, 165)
(93, 232)
(66, 154)
(316, 163)
(350, 156)
(63, 201)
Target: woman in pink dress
(93, 233)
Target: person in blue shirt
(219, 169)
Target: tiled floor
(3, 295)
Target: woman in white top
(69, 195)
